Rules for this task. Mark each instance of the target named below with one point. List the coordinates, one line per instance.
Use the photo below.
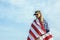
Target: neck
(40, 19)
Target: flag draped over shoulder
(37, 30)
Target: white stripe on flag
(30, 36)
(37, 21)
(35, 33)
(51, 39)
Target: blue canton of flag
(46, 26)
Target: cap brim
(34, 14)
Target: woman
(43, 22)
(39, 28)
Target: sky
(16, 17)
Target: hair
(37, 11)
(41, 17)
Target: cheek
(38, 15)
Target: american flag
(37, 30)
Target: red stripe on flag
(32, 34)
(48, 37)
(42, 27)
(28, 38)
(36, 29)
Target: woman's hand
(38, 38)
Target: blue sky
(17, 15)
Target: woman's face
(38, 15)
